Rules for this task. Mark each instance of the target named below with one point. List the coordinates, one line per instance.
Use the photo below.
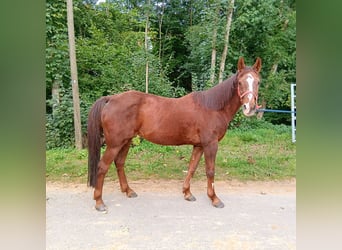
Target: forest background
(180, 46)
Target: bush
(60, 123)
(244, 123)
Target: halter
(246, 93)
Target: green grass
(244, 154)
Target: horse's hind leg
(195, 158)
(120, 164)
(103, 166)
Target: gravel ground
(257, 215)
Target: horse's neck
(231, 108)
(233, 104)
(222, 98)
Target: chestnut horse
(200, 119)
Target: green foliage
(111, 57)
(199, 41)
(60, 124)
(56, 51)
(265, 29)
(268, 29)
(251, 123)
(243, 123)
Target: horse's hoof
(219, 204)
(101, 208)
(132, 195)
(190, 198)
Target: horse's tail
(94, 139)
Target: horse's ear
(257, 65)
(241, 64)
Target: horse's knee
(119, 162)
(210, 173)
(103, 169)
(119, 168)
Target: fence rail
(276, 111)
(293, 111)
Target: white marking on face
(250, 80)
(246, 106)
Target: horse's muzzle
(248, 110)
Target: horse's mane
(217, 97)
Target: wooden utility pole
(74, 80)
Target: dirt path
(257, 215)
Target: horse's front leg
(210, 155)
(194, 160)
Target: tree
(147, 42)
(161, 10)
(74, 78)
(226, 40)
(214, 38)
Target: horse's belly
(170, 136)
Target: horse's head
(248, 79)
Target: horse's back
(158, 119)
(161, 120)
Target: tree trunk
(160, 30)
(55, 97)
(213, 45)
(146, 45)
(160, 23)
(74, 79)
(226, 40)
(190, 14)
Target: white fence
(293, 111)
